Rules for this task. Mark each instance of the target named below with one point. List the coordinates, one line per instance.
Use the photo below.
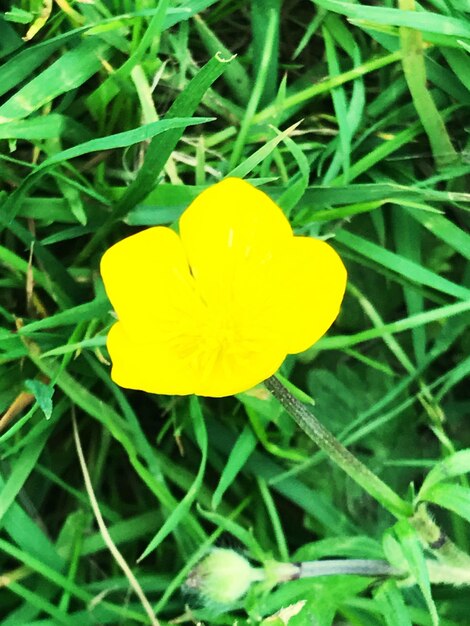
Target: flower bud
(223, 577)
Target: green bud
(223, 577)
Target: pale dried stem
(105, 533)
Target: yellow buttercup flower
(215, 310)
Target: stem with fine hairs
(325, 440)
(429, 532)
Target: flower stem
(276, 572)
(357, 567)
(361, 474)
(438, 542)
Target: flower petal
(313, 281)
(167, 340)
(151, 365)
(216, 312)
(228, 230)
(241, 368)
(148, 281)
(161, 316)
(157, 367)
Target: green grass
(113, 117)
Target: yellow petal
(230, 229)
(161, 316)
(313, 284)
(240, 367)
(167, 340)
(232, 233)
(159, 365)
(148, 282)
(151, 365)
(215, 312)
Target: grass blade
(157, 155)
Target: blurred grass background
(113, 116)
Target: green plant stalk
(437, 541)
(443, 574)
(361, 474)
(439, 573)
(283, 572)
(415, 74)
(429, 532)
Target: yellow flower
(215, 310)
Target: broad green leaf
(454, 465)
(9, 39)
(49, 126)
(21, 65)
(450, 496)
(413, 553)
(122, 532)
